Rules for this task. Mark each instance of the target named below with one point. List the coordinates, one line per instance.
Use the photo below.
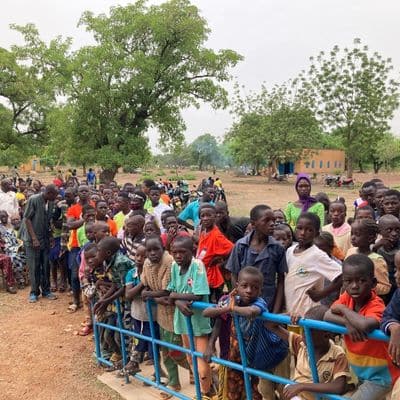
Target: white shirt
(306, 270)
(9, 203)
(157, 211)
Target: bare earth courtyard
(43, 358)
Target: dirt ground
(43, 358)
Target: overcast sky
(276, 37)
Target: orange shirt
(165, 198)
(74, 211)
(113, 227)
(369, 359)
(212, 244)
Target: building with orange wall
(323, 161)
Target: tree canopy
(352, 93)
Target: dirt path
(42, 358)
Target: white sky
(276, 37)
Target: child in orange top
(361, 310)
(213, 249)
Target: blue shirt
(392, 312)
(270, 261)
(191, 211)
(91, 177)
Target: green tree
(352, 93)
(387, 152)
(29, 85)
(273, 126)
(205, 151)
(147, 64)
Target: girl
(308, 267)
(155, 279)
(189, 283)
(305, 203)
(363, 235)
(339, 228)
(283, 233)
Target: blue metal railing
(306, 324)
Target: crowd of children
(311, 260)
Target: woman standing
(305, 202)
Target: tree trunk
(84, 169)
(349, 167)
(107, 175)
(377, 166)
(360, 167)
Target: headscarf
(306, 201)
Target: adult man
(35, 232)
(8, 200)
(191, 211)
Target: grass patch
(184, 177)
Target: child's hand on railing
(184, 307)
(295, 317)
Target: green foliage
(184, 177)
(204, 151)
(387, 152)
(352, 94)
(272, 126)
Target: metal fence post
(122, 337)
(194, 357)
(243, 357)
(154, 345)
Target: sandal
(164, 395)
(53, 289)
(72, 308)
(86, 330)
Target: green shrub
(184, 177)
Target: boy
(388, 246)
(101, 215)
(364, 212)
(213, 249)
(111, 284)
(391, 203)
(332, 365)
(264, 350)
(259, 249)
(390, 325)
(360, 310)
(88, 215)
(134, 235)
(157, 208)
(101, 230)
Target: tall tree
(29, 85)
(272, 127)
(148, 63)
(352, 92)
(205, 151)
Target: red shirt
(212, 244)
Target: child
(84, 272)
(388, 246)
(280, 217)
(264, 350)
(339, 228)
(151, 229)
(155, 279)
(157, 207)
(259, 249)
(284, 235)
(308, 267)
(189, 283)
(101, 230)
(111, 284)
(360, 310)
(363, 235)
(88, 215)
(134, 235)
(364, 212)
(139, 315)
(390, 325)
(332, 365)
(172, 231)
(325, 242)
(213, 249)
(391, 203)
